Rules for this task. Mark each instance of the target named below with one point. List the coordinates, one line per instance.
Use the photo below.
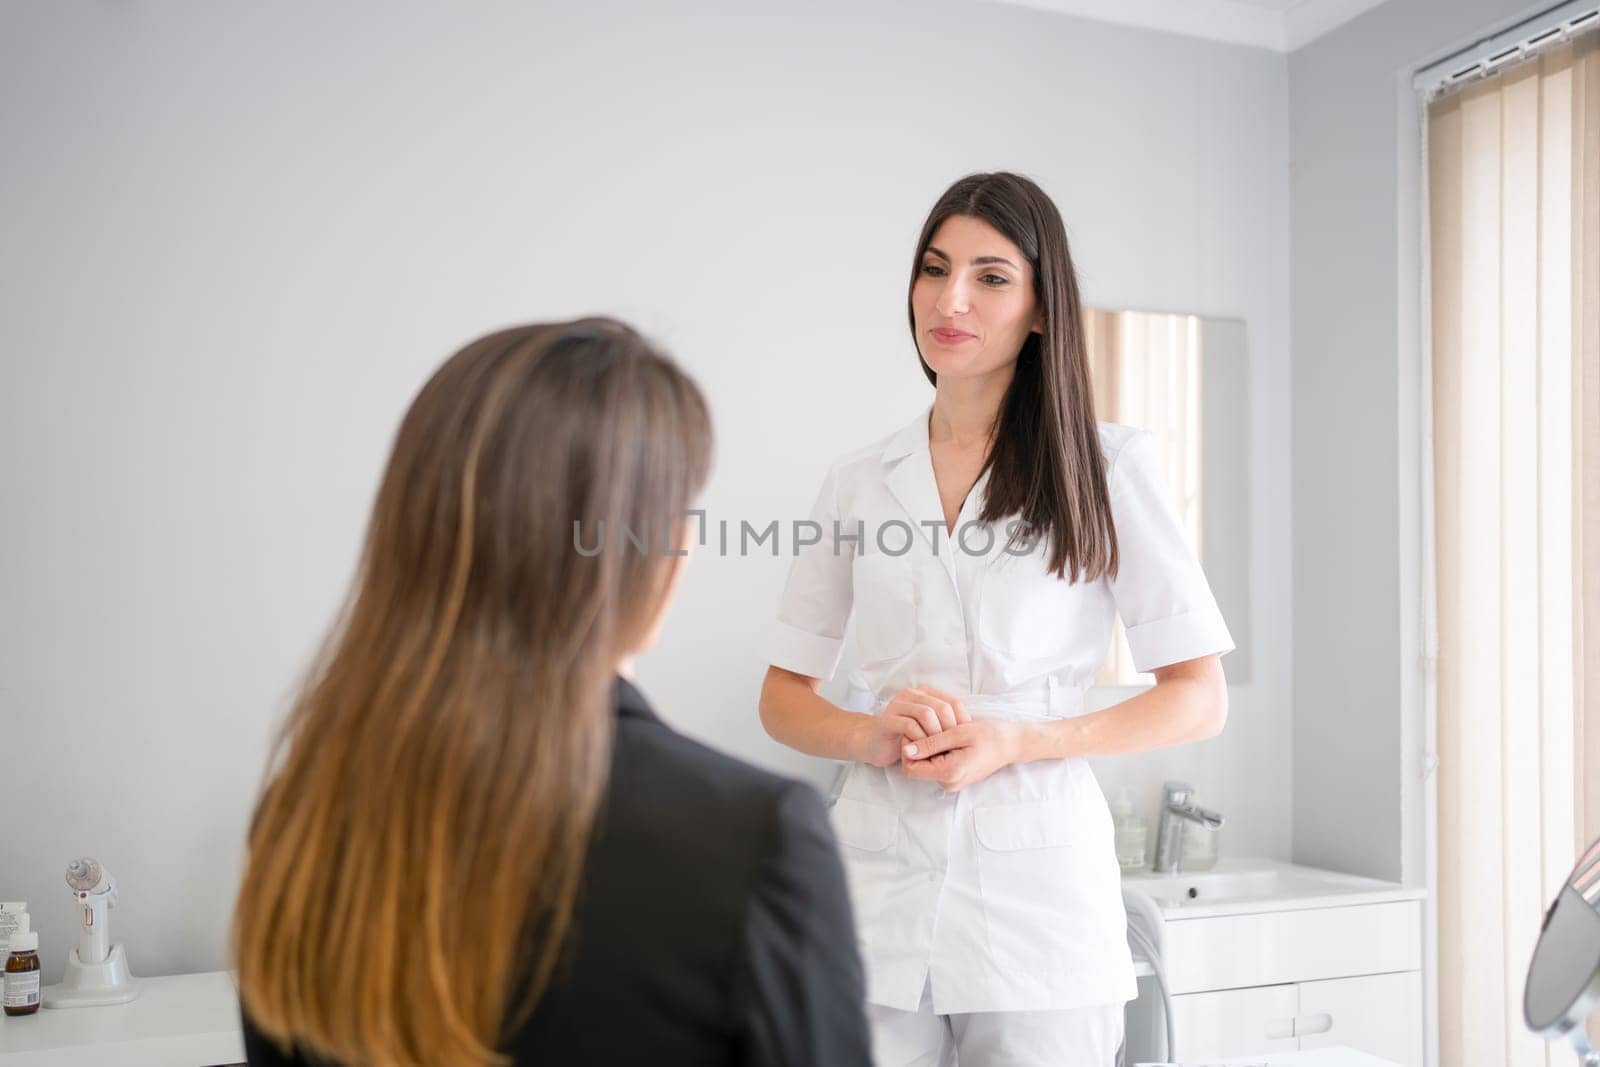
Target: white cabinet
(1377, 1014)
(1292, 979)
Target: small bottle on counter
(1130, 833)
(22, 974)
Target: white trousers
(1073, 1037)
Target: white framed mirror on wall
(1184, 378)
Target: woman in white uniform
(983, 550)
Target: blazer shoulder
(701, 778)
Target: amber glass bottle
(22, 974)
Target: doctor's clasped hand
(931, 735)
(963, 754)
(911, 715)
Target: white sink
(1242, 885)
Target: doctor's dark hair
(416, 850)
(1045, 462)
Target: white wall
(239, 237)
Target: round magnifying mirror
(1564, 978)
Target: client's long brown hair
(417, 847)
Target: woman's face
(973, 300)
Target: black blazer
(712, 926)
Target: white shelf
(183, 1020)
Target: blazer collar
(629, 702)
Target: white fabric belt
(1050, 699)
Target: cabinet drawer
(1380, 1014)
(1234, 1022)
(1276, 948)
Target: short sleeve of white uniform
(808, 635)
(1161, 593)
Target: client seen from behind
(477, 843)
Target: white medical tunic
(1004, 895)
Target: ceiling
(1281, 25)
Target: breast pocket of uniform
(1038, 875)
(1024, 611)
(1028, 613)
(885, 595)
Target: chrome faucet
(1176, 809)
